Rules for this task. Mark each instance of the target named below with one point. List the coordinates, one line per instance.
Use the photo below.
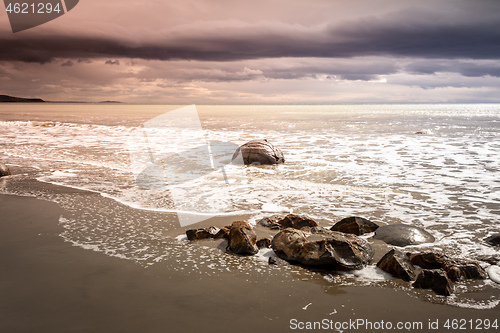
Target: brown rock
(398, 265)
(4, 170)
(456, 269)
(202, 233)
(242, 238)
(355, 225)
(264, 243)
(289, 221)
(336, 250)
(435, 279)
(259, 152)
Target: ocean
(434, 166)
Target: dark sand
(48, 285)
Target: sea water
(434, 166)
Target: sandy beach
(48, 285)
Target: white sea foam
(340, 161)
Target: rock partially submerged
(398, 265)
(403, 235)
(4, 170)
(279, 222)
(258, 152)
(242, 238)
(436, 280)
(493, 240)
(336, 250)
(355, 225)
(455, 269)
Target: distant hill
(10, 99)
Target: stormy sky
(261, 51)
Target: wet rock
(242, 238)
(492, 260)
(403, 235)
(355, 225)
(398, 265)
(277, 261)
(336, 250)
(493, 240)
(428, 260)
(202, 233)
(223, 232)
(464, 270)
(4, 170)
(264, 243)
(259, 152)
(456, 269)
(271, 222)
(279, 222)
(436, 280)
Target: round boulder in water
(403, 235)
(258, 152)
(4, 170)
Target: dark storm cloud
(371, 37)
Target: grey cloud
(369, 37)
(112, 62)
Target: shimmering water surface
(433, 166)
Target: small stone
(277, 261)
(493, 240)
(355, 225)
(264, 243)
(4, 170)
(202, 233)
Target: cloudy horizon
(218, 51)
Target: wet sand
(48, 285)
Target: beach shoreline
(49, 285)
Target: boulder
(428, 260)
(355, 225)
(493, 240)
(456, 269)
(202, 233)
(335, 250)
(4, 170)
(259, 152)
(279, 222)
(242, 238)
(436, 280)
(398, 265)
(403, 235)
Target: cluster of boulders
(300, 240)
(437, 271)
